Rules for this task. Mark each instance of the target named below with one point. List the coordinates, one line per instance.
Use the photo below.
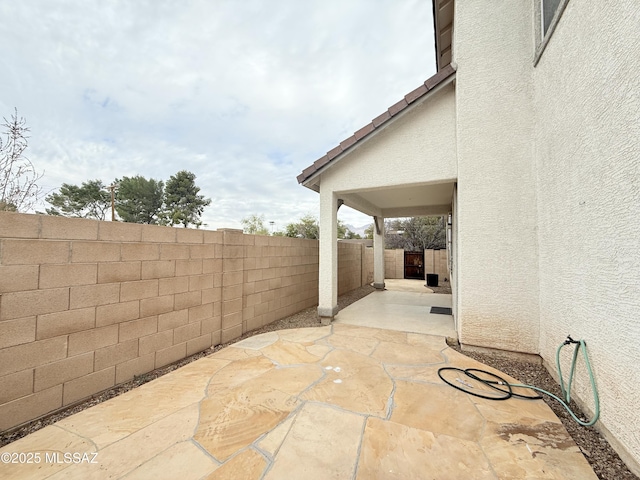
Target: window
(547, 14)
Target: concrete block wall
(349, 267)
(367, 265)
(86, 305)
(280, 278)
(394, 263)
(435, 261)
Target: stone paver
(341, 401)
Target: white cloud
(244, 94)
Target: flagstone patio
(341, 401)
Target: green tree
(18, 178)
(308, 227)
(368, 232)
(139, 200)
(183, 204)
(415, 233)
(254, 225)
(90, 200)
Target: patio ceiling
(402, 200)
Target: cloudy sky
(244, 93)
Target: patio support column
(378, 253)
(328, 274)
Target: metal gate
(414, 265)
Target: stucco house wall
(421, 141)
(496, 194)
(587, 110)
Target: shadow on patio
(341, 401)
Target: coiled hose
(476, 374)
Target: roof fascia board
(309, 181)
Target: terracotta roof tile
(416, 94)
(364, 131)
(396, 108)
(438, 77)
(321, 162)
(348, 142)
(408, 99)
(380, 119)
(334, 152)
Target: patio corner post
(328, 274)
(378, 253)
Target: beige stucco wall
(421, 141)
(86, 305)
(497, 245)
(587, 110)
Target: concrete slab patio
(404, 305)
(341, 401)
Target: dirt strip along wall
(86, 305)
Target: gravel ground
(603, 459)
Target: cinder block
(17, 385)
(171, 320)
(63, 323)
(155, 342)
(88, 385)
(140, 251)
(188, 267)
(187, 299)
(127, 370)
(233, 251)
(158, 269)
(200, 312)
(213, 237)
(156, 305)
(190, 235)
(171, 354)
(211, 324)
(254, 323)
(232, 306)
(33, 302)
(200, 282)
(158, 234)
(68, 228)
(120, 232)
(47, 376)
(18, 278)
(88, 252)
(91, 340)
(114, 272)
(186, 332)
(232, 278)
(212, 265)
(32, 406)
(29, 355)
(117, 313)
(248, 313)
(198, 344)
(216, 338)
(174, 252)
(231, 320)
(94, 295)
(34, 252)
(211, 295)
(66, 275)
(114, 354)
(138, 328)
(231, 333)
(19, 225)
(17, 332)
(169, 286)
(138, 290)
(202, 251)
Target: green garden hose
(566, 390)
